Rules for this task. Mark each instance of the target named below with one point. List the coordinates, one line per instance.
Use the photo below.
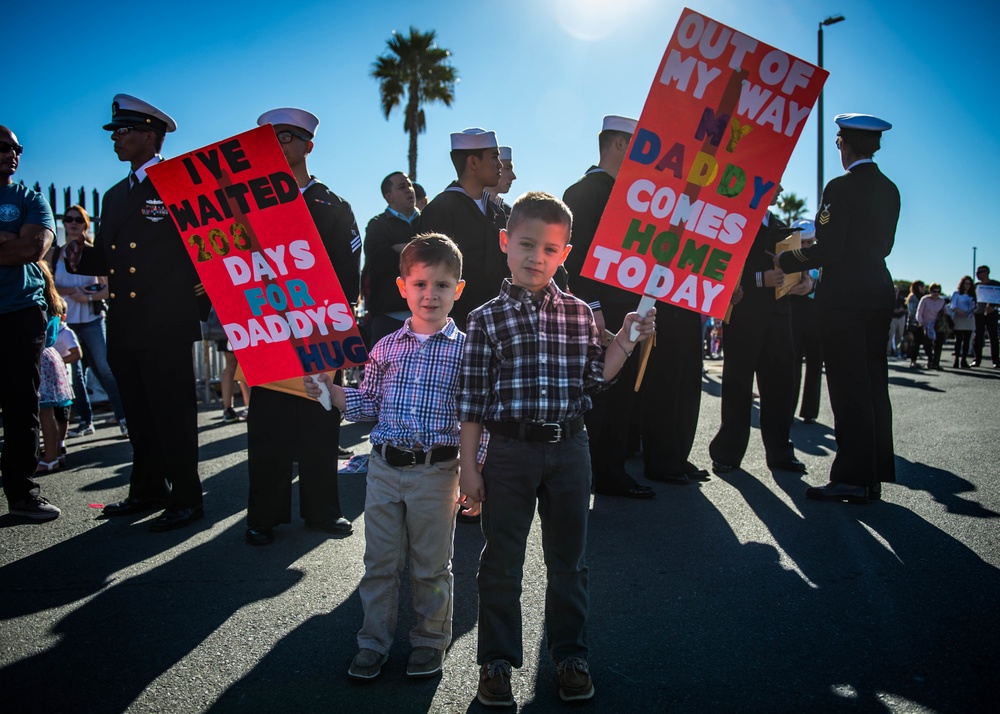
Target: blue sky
(541, 73)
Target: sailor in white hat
(607, 421)
(507, 177)
(855, 232)
(152, 322)
(283, 427)
(463, 214)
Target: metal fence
(208, 362)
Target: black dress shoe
(132, 505)
(176, 518)
(721, 468)
(875, 493)
(635, 491)
(793, 465)
(259, 536)
(676, 479)
(640, 493)
(840, 492)
(694, 473)
(336, 526)
(808, 420)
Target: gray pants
(517, 474)
(409, 511)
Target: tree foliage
(411, 72)
(791, 207)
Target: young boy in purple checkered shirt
(409, 388)
(532, 358)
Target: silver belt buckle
(558, 427)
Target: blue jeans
(517, 475)
(95, 355)
(81, 399)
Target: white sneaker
(83, 430)
(36, 508)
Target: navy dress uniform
(757, 341)
(855, 231)
(807, 340)
(474, 224)
(284, 426)
(153, 320)
(608, 420)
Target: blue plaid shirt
(409, 388)
(528, 360)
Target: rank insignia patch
(824, 215)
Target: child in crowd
(532, 358)
(409, 388)
(55, 390)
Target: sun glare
(596, 19)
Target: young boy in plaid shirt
(532, 357)
(412, 493)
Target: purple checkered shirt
(530, 360)
(409, 389)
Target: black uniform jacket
(855, 230)
(382, 262)
(757, 298)
(484, 265)
(338, 229)
(151, 279)
(587, 199)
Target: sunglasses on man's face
(6, 146)
(123, 130)
(73, 219)
(286, 136)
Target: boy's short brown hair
(431, 249)
(542, 206)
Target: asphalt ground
(733, 595)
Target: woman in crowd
(928, 309)
(85, 295)
(963, 307)
(912, 326)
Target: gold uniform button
(131, 245)
(131, 270)
(131, 295)
(114, 247)
(112, 295)
(112, 271)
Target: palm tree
(791, 207)
(416, 67)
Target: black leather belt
(400, 458)
(544, 432)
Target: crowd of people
(927, 320)
(500, 379)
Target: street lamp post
(819, 124)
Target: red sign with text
(716, 132)
(261, 260)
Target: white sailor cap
(862, 122)
(307, 121)
(127, 110)
(613, 122)
(505, 153)
(808, 227)
(474, 138)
